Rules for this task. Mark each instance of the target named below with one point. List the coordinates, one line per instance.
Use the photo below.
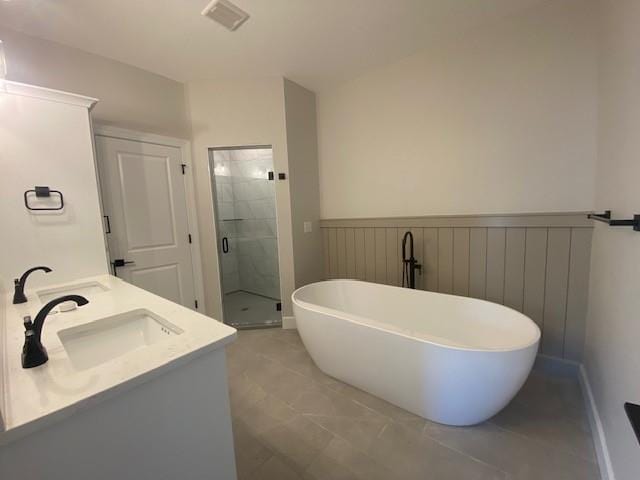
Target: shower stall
(245, 212)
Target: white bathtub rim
(388, 328)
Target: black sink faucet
(33, 352)
(18, 293)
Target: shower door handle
(225, 245)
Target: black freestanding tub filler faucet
(409, 264)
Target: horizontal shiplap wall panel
(537, 264)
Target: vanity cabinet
(45, 140)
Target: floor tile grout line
(543, 444)
(350, 443)
(321, 385)
(448, 447)
(283, 457)
(365, 453)
(315, 383)
(262, 464)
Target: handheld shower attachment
(410, 264)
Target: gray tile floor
(291, 421)
(243, 309)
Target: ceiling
(314, 42)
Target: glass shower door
(245, 208)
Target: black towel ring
(41, 192)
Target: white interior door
(144, 200)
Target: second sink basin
(105, 339)
(84, 289)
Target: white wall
(612, 354)
(500, 120)
(238, 113)
(44, 142)
(129, 97)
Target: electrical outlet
(308, 227)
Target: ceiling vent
(226, 14)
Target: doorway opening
(247, 238)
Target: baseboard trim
(567, 368)
(599, 440)
(288, 323)
(558, 367)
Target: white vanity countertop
(36, 397)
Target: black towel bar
(606, 218)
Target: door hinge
(279, 306)
(108, 224)
(196, 303)
(184, 166)
(189, 238)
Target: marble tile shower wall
(226, 226)
(246, 207)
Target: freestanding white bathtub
(450, 359)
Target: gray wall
(302, 147)
(129, 97)
(536, 264)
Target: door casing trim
(189, 185)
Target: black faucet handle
(28, 324)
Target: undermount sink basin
(84, 289)
(108, 338)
